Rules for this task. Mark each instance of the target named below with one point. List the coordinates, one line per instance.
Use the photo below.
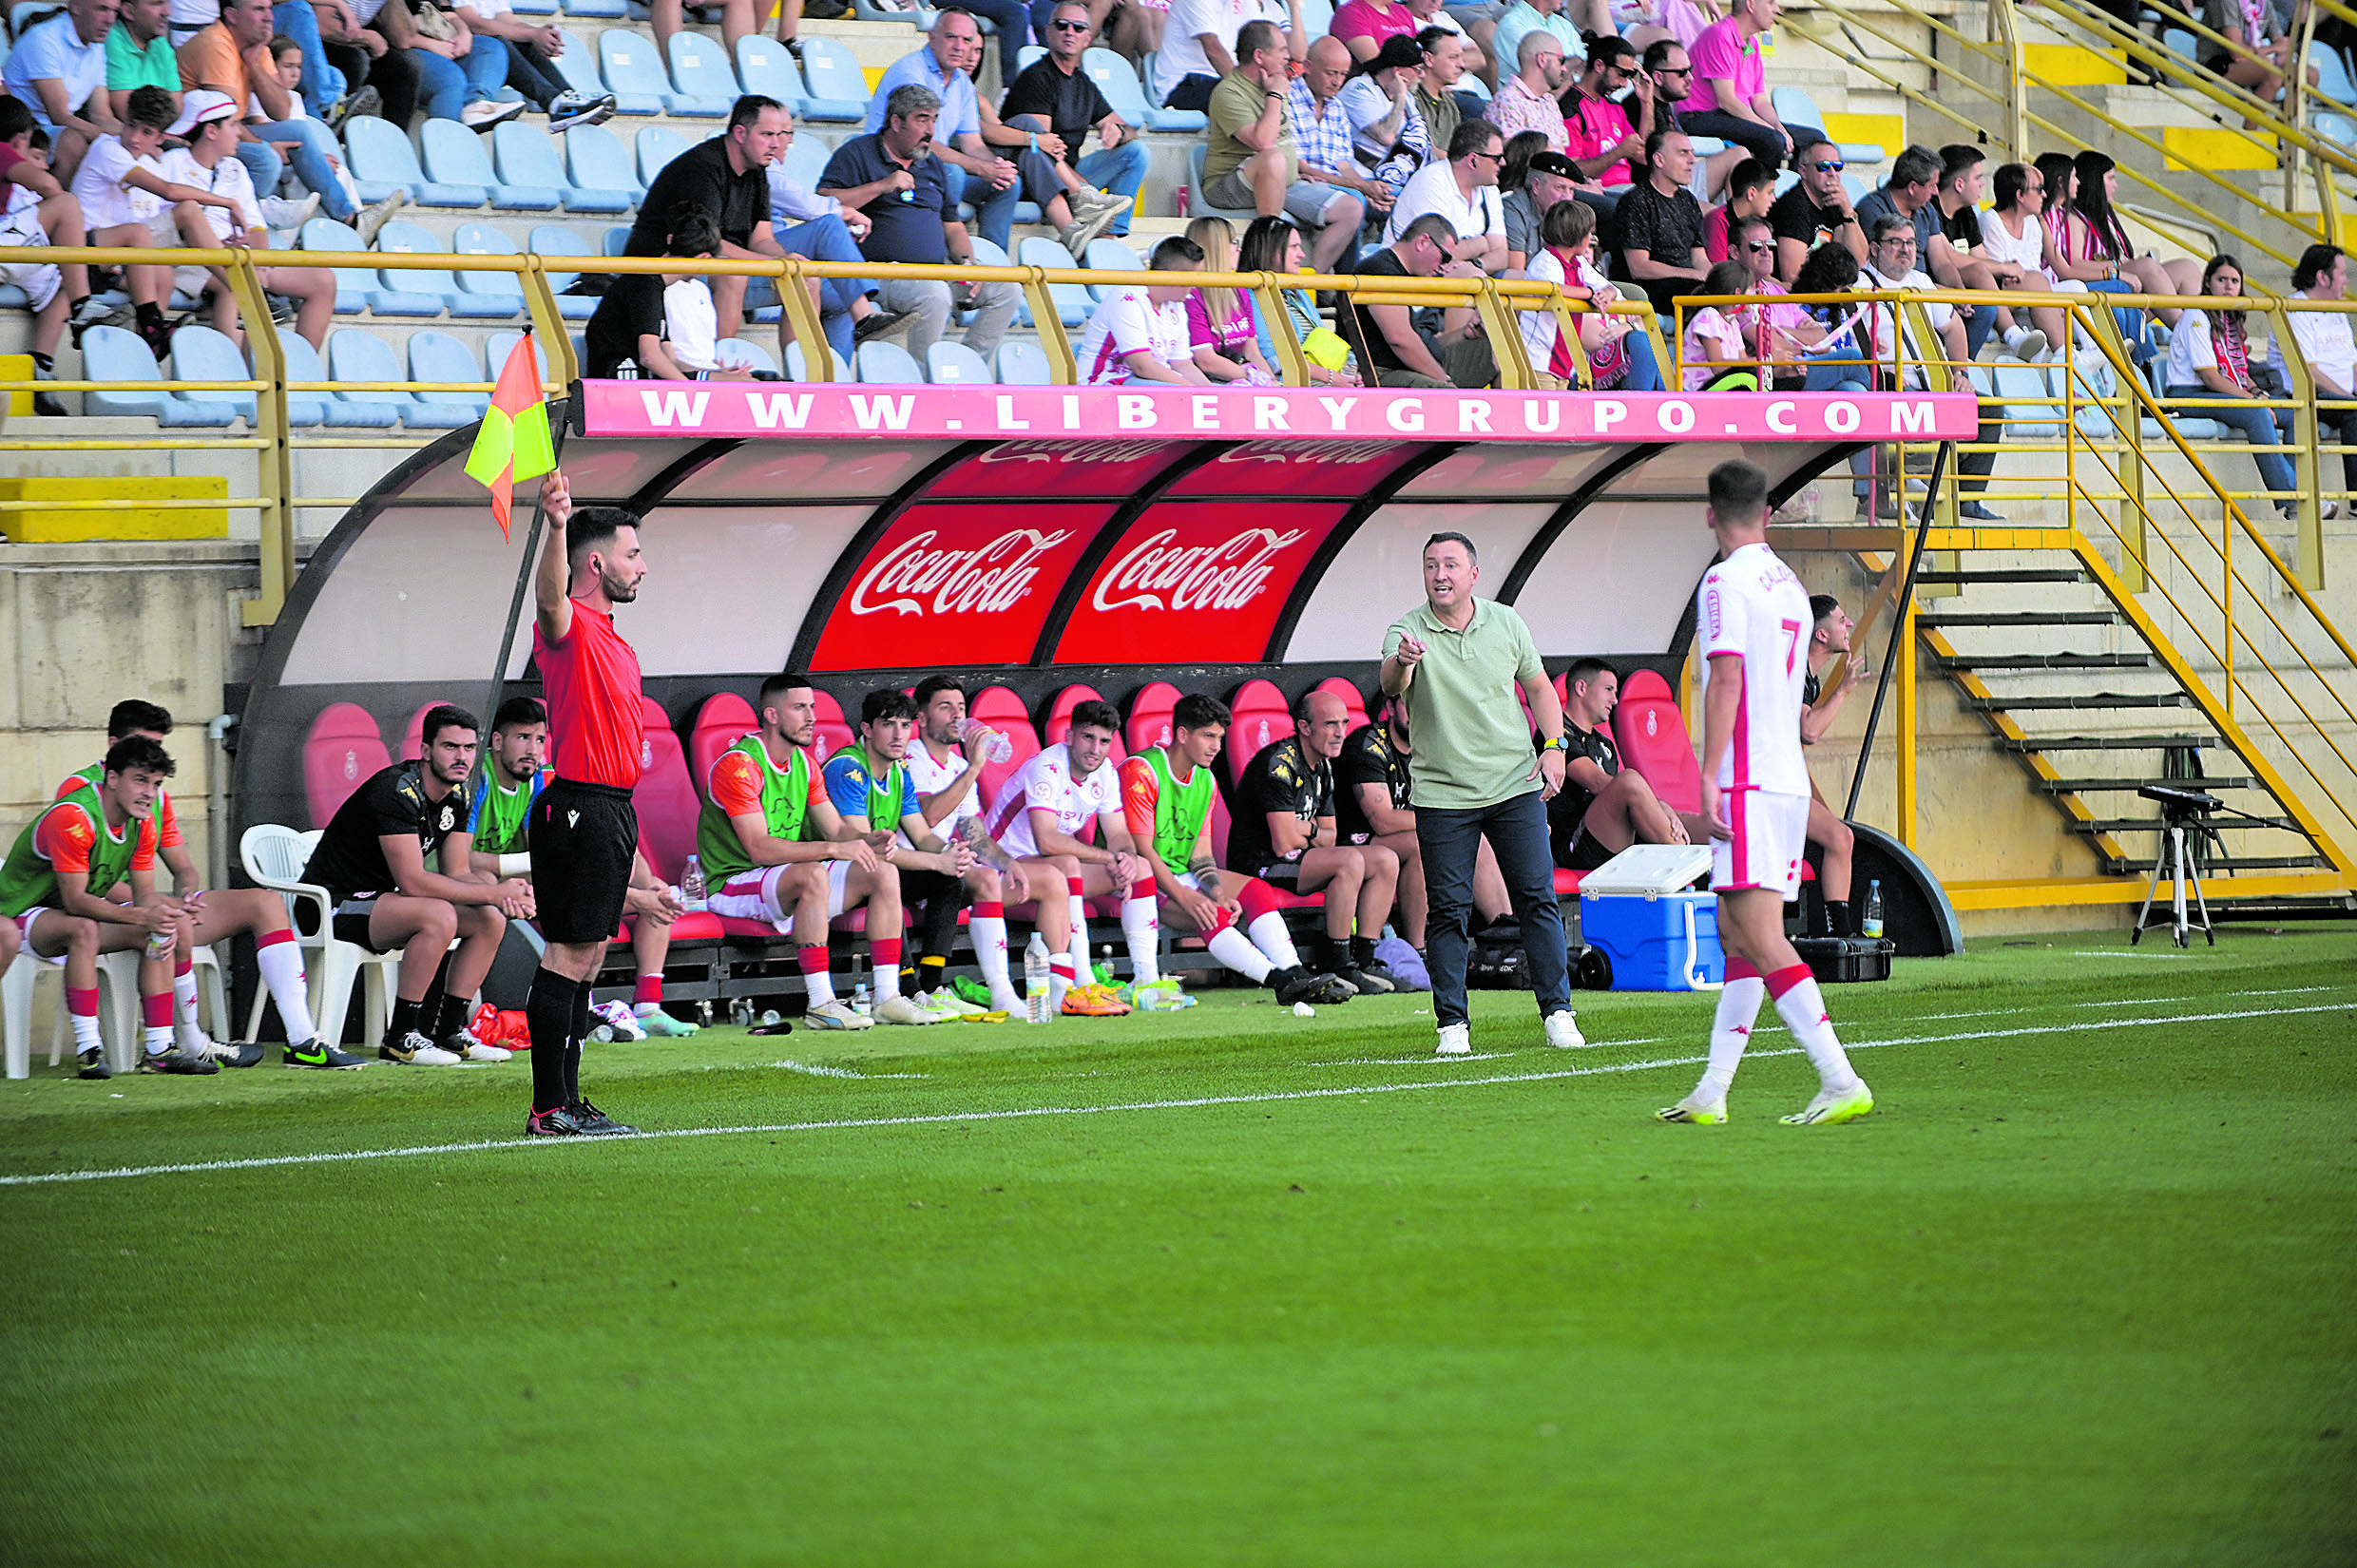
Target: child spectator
(209, 122)
(36, 210)
(127, 202)
(666, 323)
(1714, 352)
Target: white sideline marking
(839, 1072)
(1274, 1096)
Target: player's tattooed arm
(1206, 871)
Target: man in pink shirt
(1730, 98)
(1364, 25)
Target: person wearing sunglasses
(1815, 212)
(1057, 104)
(1780, 332)
(1654, 98)
(1729, 95)
(1602, 138)
(1462, 190)
(1750, 189)
(1395, 348)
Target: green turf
(2075, 1296)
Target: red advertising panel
(1196, 582)
(957, 585)
(1054, 469)
(1270, 467)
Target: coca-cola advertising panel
(957, 585)
(1058, 469)
(1196, 582)
(1275, 468)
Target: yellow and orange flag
(514, 443)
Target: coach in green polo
(1456, 659)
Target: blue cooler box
(1658, 937)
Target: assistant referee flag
(514, 443)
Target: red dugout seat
(414, 734)
(835, 730)
(724, 720)
(343, 751)
(1059, 719)
(1333, 685)
(1651, 733)
(665, 797)
(1263, 717)
(1150, 717)
(1003, 712)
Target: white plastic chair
(273, 856)
(117, 1010)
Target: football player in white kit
(1036, 818)
(945, 764)
(1752, 615)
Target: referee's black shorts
(583, 839)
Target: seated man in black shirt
(1285, 833)
(1814, 212)
(1399, 346)
(667, 331)
(1057, 104)
(727, 179)
(1603, 808)
(1660, 224)
(1371, 806)
(372, 861)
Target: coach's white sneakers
(1834, 1106)
(1456, 1040)
(1562, 1030)
(835, 1014)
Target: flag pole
(524, 581)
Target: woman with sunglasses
(2209, 359)
(2013, 235)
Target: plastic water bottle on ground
(859, 999)
(1035, 981)
(692, 891)
(1870, 922)
(1000, 747)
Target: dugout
(1030, 537)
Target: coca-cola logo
(1156, 575)
(1071, 451)
(915, 579)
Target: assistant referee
(585, 830)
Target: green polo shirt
(127, 66)
(1472, 742)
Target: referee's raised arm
(555, 577)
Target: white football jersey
(927, 776)
(1046, 783)
(1752, 606)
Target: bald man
(1285, 833)
(1322, 130)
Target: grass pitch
(1229, 1287)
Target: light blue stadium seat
(1022, 364)
(615, 241)
(553, 239)
(1160, 118)
(805, 161)
(1796, 106)
(109, 354)
(1318, 16)
(2181, 41)
(382, 162)
(867, 10)
(839, 89)
(754, 351)
(633, 71)
(353, 285)
(530, 154)
(535, 8)
(486, 291)
(702, 85)
(613, 11)
(1028, 56)
(1110, 255)
(303, 364)
(2028, 418)
(1202, 205)
(886, 362)
(988, 255)
(499, 345)
(765, 68)
(797, 366)
(455, 156)
(578, 65)
(402, 237)
(603, 178)
(355, 355)
(656, 148)
(2332, 73)
(438, 357)
(200, 354)
(1072, 300)
(949, 364)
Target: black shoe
(1299, 985)
(1372, 981)
(366, 101)
(1376, 969)
(48, 406)
(94, 1064)
(178, 1064)
(882, 321)
(247, 1055)
(320, 1054)
(556, 1123)
(592, 1122)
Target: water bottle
(159, 945)
(692, 891)
(1870, 925)
(1000, 747)
(1035, 981)
(859, 999)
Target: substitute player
(1374, 803)
(944, 765)
(1753, 617)
(1039, 811)
(1830, 650)
(771, 852)
(1603, 808)
(498, 840)
(1166, 795)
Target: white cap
(201, 105)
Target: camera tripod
(2182, 811)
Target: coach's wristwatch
(1560, 743)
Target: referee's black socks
(550, 1012)
(573, 1041)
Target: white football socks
(989, 934)
(1731, 1031)
(1141, 928)
(1269, 934)
(281, 963)
(1233, 949)
(1802, 1007)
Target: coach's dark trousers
(1449, 842)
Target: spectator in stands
(1912, 196)
(2209, 359)
(59, 68)
(2260, 41)
(992, 183)
(819, 229)
(286, 57)
(532, 48)
(1730, 98)
(139, 51)
(1815, 212)
(38, 210)
(1134, 28)
(127, 202)
(1251, 162)
(2074, 256)
(231, 59)
(1223, 331)
(1324, 139)
(1203, 44)
(1437, 348)
(1841, 359)
(1542, 180)
(1141, 334)
(1285, 832)
(1474, 778)
(1619, 355)
(356, 54)
(738, 19)
(448, 76)
(1462, 191)
(1056, 103)
(726, 179)
(1672, 72)
(1364, 26)
(1527, 100)
(1892, 264)
(1604, 807)
(2013, 239)
(1518, 22)
(1388, 133)
(1661, 223)
(1714, 348)
(209, 123)
(666, 323)
(2326, 344)
(1601, 139)
(1750, 190)
(1830, 650)
(1431, 14)
(1779, 329)
(1436, 95)
(2098, 233)
(913, 218)
(1962, 183)
(1273, 244)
